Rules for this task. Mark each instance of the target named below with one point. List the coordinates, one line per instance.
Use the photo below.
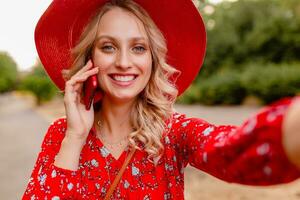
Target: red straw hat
(60, 26)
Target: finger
(85, 76)
(81, 78)
(75, 84)
(88, 73)
(78, 87)
(69, 86)
(86, 67)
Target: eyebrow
(134, 39)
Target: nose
(123, 59)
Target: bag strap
(118, 177)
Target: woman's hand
(291, 132)
(79, 120)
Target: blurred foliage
(8, 72)
(252, 31)
(252, 49)
(271, 82)
(268, 82)
(38, 82)
(222, 88)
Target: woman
(134, 121)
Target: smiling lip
(123, 80)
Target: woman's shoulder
(180, 122)
(181, 119)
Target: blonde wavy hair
(154, 104)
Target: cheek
(147, 75)
(148, 69)
(102, 78)
(148, 72)
(102, 61)
(147, 65)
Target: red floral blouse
(250, 154)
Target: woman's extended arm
(291, 133)
(251, 154)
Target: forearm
(291, 133)
(48, 180)
(251, 154)
(69, 153)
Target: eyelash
(108, 48)
(141, 48)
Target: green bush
(222, 88)
(38, 83)
(8, 73)
(41, 87)
(190, 96)
(272, 82)
(266, 82)
(251, 31)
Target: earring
(99, 123)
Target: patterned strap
(118, 177)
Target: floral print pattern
(250, 154)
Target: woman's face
(123, 55)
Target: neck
(115, 118)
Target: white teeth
(123, 78)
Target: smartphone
(89, 90)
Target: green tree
(252, 49)
(8, 72)
(252, 31)
(39, 84)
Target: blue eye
(139, 49)
(108, 48)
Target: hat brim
(62, 23)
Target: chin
(124, 97)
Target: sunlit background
(18, 19)
(252, 60)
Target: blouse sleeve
(48, 181)
(251, 154)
